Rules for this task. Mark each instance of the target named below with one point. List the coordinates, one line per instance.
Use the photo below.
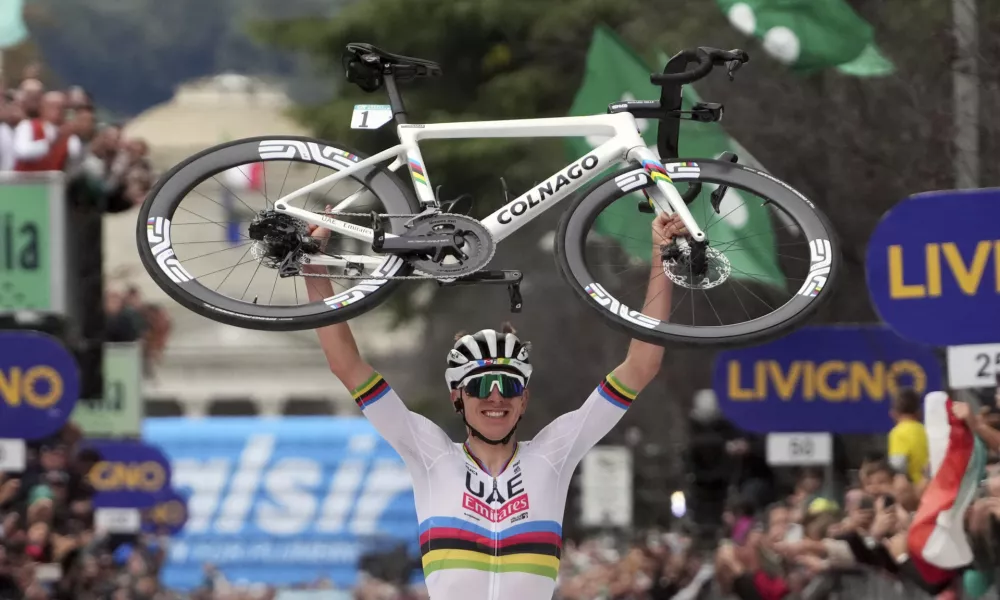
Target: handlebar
(706, 59)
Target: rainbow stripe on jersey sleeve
(615, 392)
(371, 391)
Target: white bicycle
(385, 232)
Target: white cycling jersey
(485, 536)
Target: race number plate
(370, 116)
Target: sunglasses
(480, 386)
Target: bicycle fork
(664, 197)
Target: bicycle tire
(825, 258)
(171, 188)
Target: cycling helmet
(492, 351)
(488, 350)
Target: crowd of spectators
(49, 546)
(810, 541)
(44, 129)
(131, 318)
(807, 541)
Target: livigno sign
(32, 242)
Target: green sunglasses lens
(480, 387)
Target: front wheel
(763, 272)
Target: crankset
(443, 245)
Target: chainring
(477, 250)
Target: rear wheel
(761, 274)
(209, 237)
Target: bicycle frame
(625, 145)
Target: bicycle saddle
(421, 67)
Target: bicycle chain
(421, 277)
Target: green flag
(12, 28)
(810, 35)
(615, 73)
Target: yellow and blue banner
(933, 267)
(39, 385)
(839, 379)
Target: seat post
(395, 100)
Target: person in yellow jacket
(908, 440)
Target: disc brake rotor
(475, 252)
(680, 270)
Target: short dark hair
(882, 467)
(505, 327)
(907, 402)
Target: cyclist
(491, 508)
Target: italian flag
(937, 542)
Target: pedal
(720, 192)
(514, 291)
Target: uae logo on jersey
(493, 506)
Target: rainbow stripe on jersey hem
(616, 392)
(371, 391)
(453, 543)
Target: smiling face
(494, 415)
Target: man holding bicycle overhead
(491, 508)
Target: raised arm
(569, 437)
(415, 438)
(643, 360)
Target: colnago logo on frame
(548, 189)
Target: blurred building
(212, 110)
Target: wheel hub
(696, 268)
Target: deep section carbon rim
(199, 216)
(765, 270)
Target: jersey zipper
(495, 571)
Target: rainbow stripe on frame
(417, 172)
(656, 171)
